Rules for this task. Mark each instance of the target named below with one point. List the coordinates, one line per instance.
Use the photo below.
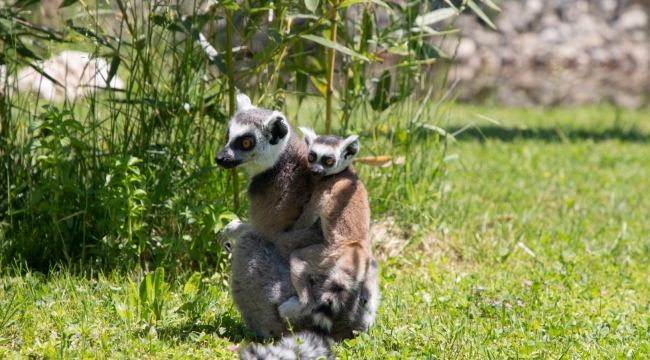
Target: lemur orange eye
(246, 143)
(311, 158)
(227, 137)
(329, 162)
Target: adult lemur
(281, 184)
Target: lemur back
(340, 202)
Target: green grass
(546, 212)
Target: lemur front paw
(233, 231)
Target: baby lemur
(340, 202)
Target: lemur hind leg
(304, 263)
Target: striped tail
(303, 345)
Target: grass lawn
(538, 249)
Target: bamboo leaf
(24, 3)
(435, 16)
(347, 3)
(491, 5)
(67, 3)
(115, 63)
(311, 5)
(472, 5)
(333, 45)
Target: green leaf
(192, 285)
(491, 5)
(115, 63)
(347, 3)
(145, 287)
(333, 45)
(435, 16)
(159, 281)
(381, 100)
(78, 144)
(133, 160)
(24, 3)
(73, 124)
(267, 51)
(36, 124)
(229, 4)
(311, 5)
(472, 5)
(67, 3)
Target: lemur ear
(276, 127)
(350, 146)
(243, 102)
(310, 135)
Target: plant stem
(330, 70)
(231, 98)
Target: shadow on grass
(557, 134)
(225, 326)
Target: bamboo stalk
(330, 70)
(231, 99)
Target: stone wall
(557, 52)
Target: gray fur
(304, 346)
(261, 278)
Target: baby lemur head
(329, 154)
(256, 137)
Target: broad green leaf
(36, 124)
(192, 285)
(133, 160)
(67, 3)
(311, 5)
(333, 45)
(159, 281)
(65, 141)
(472, 5)
(73, 124)
(435, 16)
(320, 85)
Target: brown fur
(272, 213)
(341, 202)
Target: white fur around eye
(236, 129)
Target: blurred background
(112, 110)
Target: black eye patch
(244, 143)
(328, 160)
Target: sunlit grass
(534, 247)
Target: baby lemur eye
(246, 143)
(311, 158)
(329, 162)
(227, 137)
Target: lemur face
(255, 138)
(329, 154)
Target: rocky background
(556, 52)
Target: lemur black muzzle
(227, 159)
(318, 171)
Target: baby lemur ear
(276, 127)
(243, 102)
(350, 146)
(310, 135)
